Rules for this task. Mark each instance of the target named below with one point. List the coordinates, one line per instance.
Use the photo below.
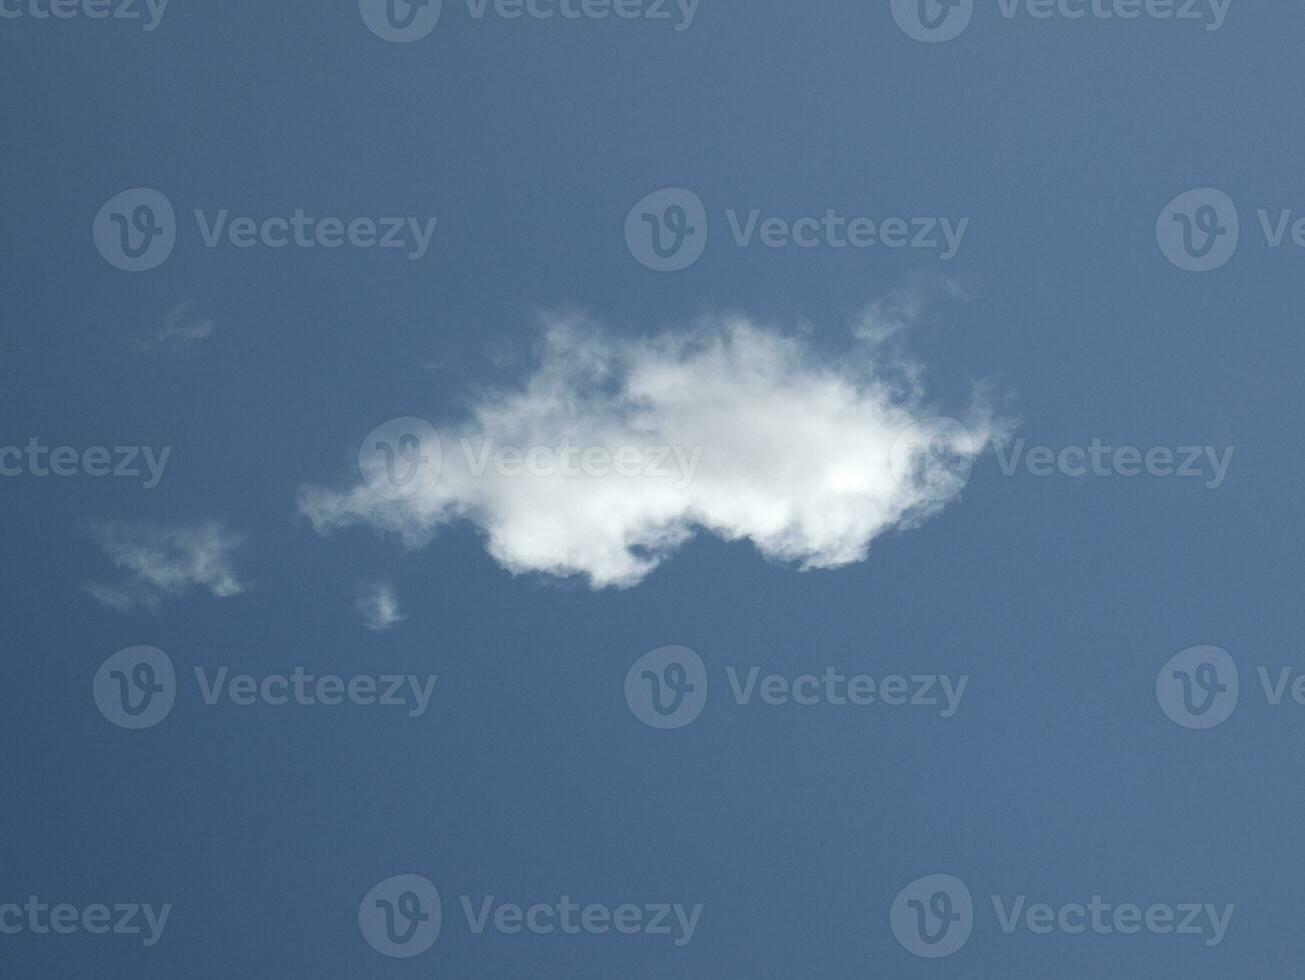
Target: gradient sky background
(529, 778)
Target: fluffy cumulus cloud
(612, 452)
(378, 606)
(166, 562)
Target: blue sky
(798, 548)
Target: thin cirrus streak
(758, 438)
(179, 333)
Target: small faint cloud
(904, 307)
(378, 606)
(126, 597)
(165, 563)
(179, 333)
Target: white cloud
(903, 308)
(794, 453)
(378, 606)
(179, 333)
(126, 596)
(164, 563)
